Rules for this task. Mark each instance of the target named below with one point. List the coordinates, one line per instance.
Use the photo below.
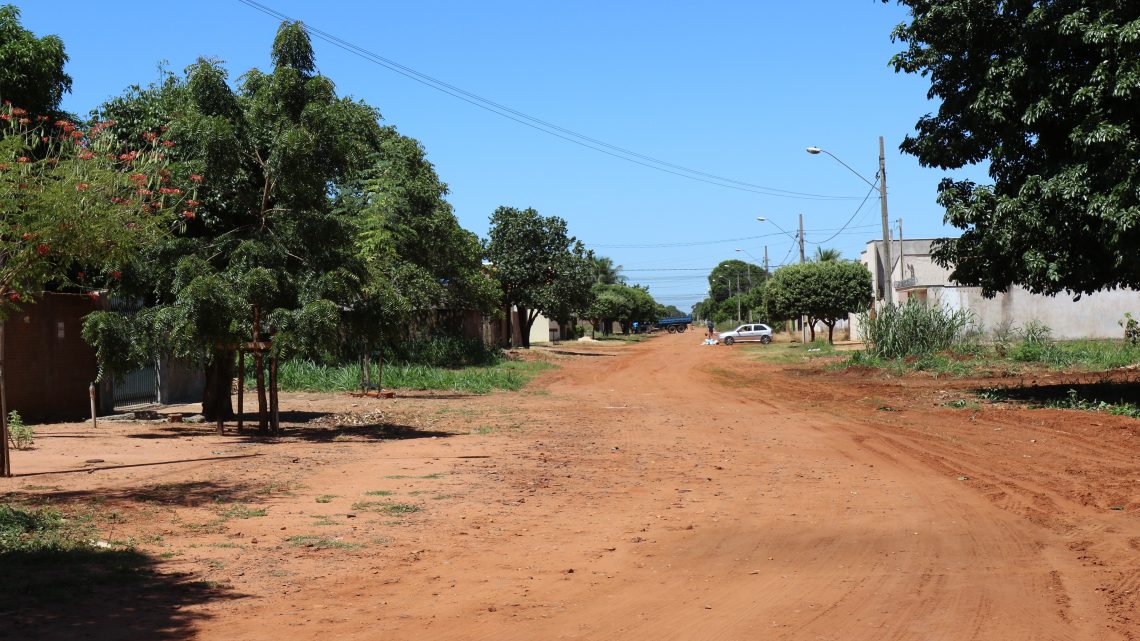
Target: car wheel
(672, 329)
(729, 341)
(681, 329)
(765, 339)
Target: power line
(542, 125)
(857, 209)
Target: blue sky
(732, 89)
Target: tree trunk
(259, 364)
(5, 457)
(524, 327)
(811, 324)
(830, 331)
(219, 380)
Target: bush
(22, 436)
(1131, 329)
(443, 351)
(1035, 343)
(915, 329)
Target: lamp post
(888, 263)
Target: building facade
(915, 275)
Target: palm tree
(606, 272)
(827, 255)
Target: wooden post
(274, 406)
(259, 362)
(241, 390)
(5, 457)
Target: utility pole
(766, 273)
(889, 295)
(738, 316)
(803, 319)
(801, 238)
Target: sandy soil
(655, 491)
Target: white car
(753, 332)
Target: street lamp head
(761, 218)
(814, 150)
(739, 249)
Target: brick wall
(48, 366)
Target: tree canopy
(31, 68)
(1049, 94)
(540, 267)
(823, 291)
(315, 226)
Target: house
(915, 275)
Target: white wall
(1093, 316)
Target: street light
(888, 263)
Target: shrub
(1035, 343)
(915, 329)
(1131, 329)
(444, 351)
(22, 436)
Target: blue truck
(674, 324)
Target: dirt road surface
(658, 491)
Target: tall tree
(266, 255)
(825, 255)
(733, 275)
(31, 68)
(605, 271)
(75, 206)
(540, 267)
(1049, 94)
(822, 291)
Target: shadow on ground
(1111, 392)
(185, 494)
(103, 595)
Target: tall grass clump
(915, 329)
(302, 375)
(41, 530)
(443, 351)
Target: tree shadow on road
(185, 494)
(104, 595)
(1072, 393)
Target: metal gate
(139, 387)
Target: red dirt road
(659, 491)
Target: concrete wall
(1093, 316)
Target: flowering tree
(75, 207)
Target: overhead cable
(543, 125)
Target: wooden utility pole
(889, 295)
(766, 274)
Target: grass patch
(378, 493)
(434, 475)
(321, 542)
(1092, 398)
(240, 511)
(962, 404)
(43, 531)
(299, 375)
(385, 507)
(325, 498)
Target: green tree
(73, 212)
(731, 276)
(822, 291)
(539, 266)
(31, 68)
(267, 254)
(1047, 93)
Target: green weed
(321, 542)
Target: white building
(916, 275)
